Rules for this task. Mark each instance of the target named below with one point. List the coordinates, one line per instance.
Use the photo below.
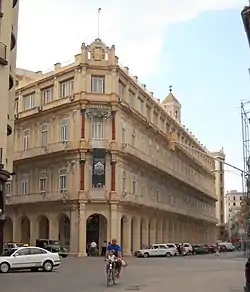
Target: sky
(198, 47)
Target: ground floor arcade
(75, 226)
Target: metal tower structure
(245, 123)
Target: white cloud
(52, 31)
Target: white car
(156, 250)
(173, 247)
(33, 258)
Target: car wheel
(4, 267)
(47, 266)
(168, 254)
(64, 256)
(34, 269)
(145, 255)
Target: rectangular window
(29, 101)
(26, 139)
(140, 106)
(97, 84)
(47, 95)
(131, 98)
(133, 138)
(25, 184)
(64, 128)
(16, 107)
(44, 135)
(121, 90)
(42, 181)
(124, 180)
(97, 128)
(8, 189)
(134, 184)
(157, 195)
(63, 179)
(66, 88)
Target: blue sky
(199, 48)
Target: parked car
(156, 250)
(228, 246)
(10, 245)
(200, 249)
(212, 248)
(33, 258)
(53, 246)
(173, 247)
(247, 276)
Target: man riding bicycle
(114, 248)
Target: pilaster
(82, 229)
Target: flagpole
(98, 23)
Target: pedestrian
(217, 250)
(93, 248)
(104, 248)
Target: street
(193, 273)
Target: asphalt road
(193, 273)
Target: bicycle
(111, 272)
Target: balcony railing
(41, 198)
(185, 211)
(136, 153)
(45, 150)
(3, 54)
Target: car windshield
(8, 252)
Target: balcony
(13, 40)
(62, 197)
(9, 130)
(97, 195)
(188, 211)
(14, 3)
(57, 147)
(3, 54)
(135, 154)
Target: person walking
(93, 248)
(217, 250)
(104, 248)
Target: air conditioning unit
(65, 143)
(39, 108)
(71, 98)
(43, 193)
(124, 193)
(124, 145)
(64, 195)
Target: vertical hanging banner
(98, 172)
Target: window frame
(95, 86)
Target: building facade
(8, 36)
(94, 161)
(233, 202)
(220, 191)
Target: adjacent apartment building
(233, 204)
(220, 191)
(8, 37)
(94, 160)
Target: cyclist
(114, 248)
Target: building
(233, 213)
(220, 191)
(233, 203)
(94, 159)
(8, 36)
(245, 14)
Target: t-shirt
(93, 244)
(115, 247)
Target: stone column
(82, 230)
(34, 230)
(127, 238)
(82, 175)
(115, 224)
(113, 176)
(83, 123)
(53, 226)
(136, 234)
(152, 231)
(113, 125)
(159, 231)
(74, 242)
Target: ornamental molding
(99, 111)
